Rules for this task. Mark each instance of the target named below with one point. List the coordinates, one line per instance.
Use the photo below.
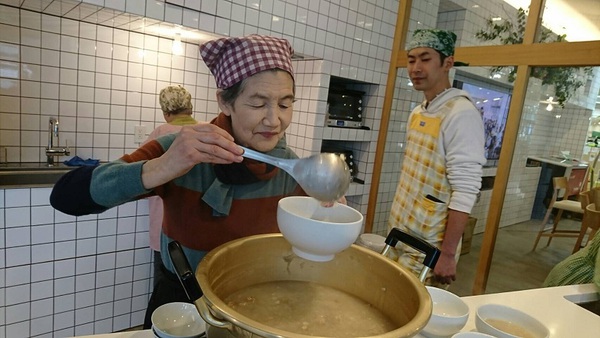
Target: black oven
(344, 108)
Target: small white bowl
(315, 232)
(449, 314)
(505, 322)
(472, 334)
(177, 320)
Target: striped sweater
(201, 212)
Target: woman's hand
(200, 143)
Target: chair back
(592, 219)
(585, 198)
(590, 197)
(595, 197)
(561, 183)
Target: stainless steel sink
(15, 175)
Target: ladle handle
(184, 271)
(432, 254)
(284, 164)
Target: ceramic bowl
(505, 322)
(315, 232)
(472, 334)
(449, 314)
(177, 320)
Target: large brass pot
(265, 258)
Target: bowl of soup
(506, 322)
(449, 315)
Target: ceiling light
(550, 103)
(177, 46)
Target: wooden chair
(591, 216)
(560, 184)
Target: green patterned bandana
(440, 40)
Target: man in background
(442, 167)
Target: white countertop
(555, 307)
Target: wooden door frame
(526, 55)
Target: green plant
(564, 79)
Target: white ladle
(324, 176)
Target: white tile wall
(49, 261)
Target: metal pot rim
(219, 309)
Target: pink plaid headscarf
(232, 60)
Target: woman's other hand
(200, 143)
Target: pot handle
(431, 252)
(209, 317)
(192, 289)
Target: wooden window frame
(524, 56)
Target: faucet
(54, 148)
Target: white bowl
(449, 314)
(177, 320)
(472, 334)
(505, 322)
(315, 232)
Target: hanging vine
(564, 79)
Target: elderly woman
(207, 187)
(176, 105)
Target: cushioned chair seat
(561, 184)
(569, 205)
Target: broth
(309, 309)
(511, 328)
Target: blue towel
(78, 161)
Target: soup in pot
(309, 309)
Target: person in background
(581, 267)
(176, 105)
(209, 190)
(444, 155)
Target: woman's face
(262, 111)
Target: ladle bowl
(324, 176)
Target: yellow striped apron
(420, 205)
